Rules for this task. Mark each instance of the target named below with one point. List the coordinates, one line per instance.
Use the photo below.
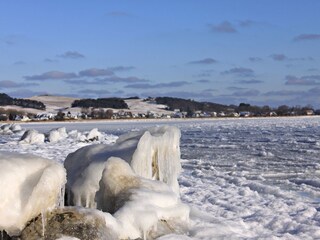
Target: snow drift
(29, 186)
(152, 154)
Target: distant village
(87, 114)
(116, 108)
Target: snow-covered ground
(242, 178)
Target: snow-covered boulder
(10, 128)
(29, 186)
(152, 154)
(15, 128)
(139, 205)
(93, 135)
(32, 136)
(56, 135)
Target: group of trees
(6, 100)
(190, 106)
(116, 103)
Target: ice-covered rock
(94, 135)
(152, 153)
(56, 135)
(10, 128)
(29, 185)
(139, 205)
(32, 136)
(70, 223)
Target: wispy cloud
(282, 57)
(247, 93)
(52, 75)
(223, 27)
(283, 93)
(307, 37)
(121, 68)
(279, 57)
(25, 93)
(255, 59)
(239, 71)
(205, 61)
(246, 23)
(49, 60)
(251, 81)
(203, 81)
(158, 85)
(12, 84)
(90, 91)
(304, 80)
(71, 55)
(115, 79)
(95, 72)
(19, 63)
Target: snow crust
(29, 186)
(152, 153)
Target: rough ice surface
(152, 153)
(243, 178)
(29, 186)
(56, 135)
(137, 203)
(32, 137)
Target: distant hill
(6, 100)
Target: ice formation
(10, 128)
(29, 186)
(56, 135)
(152, 153)
(138, 204)
(32, 137)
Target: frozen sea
(242, 178)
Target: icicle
(60, 201)
(43, 219)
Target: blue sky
(264, 52)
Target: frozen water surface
(242, 178)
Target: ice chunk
(56, 135)
(93, 135)
(29, 185)
(32, 136)
(152, 153)
(139, 204)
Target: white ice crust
(29, 186)
(138, 204)
(152, 154)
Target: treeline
(25, 103)
(116, 103)
(189, 106)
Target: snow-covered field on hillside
(242, 178)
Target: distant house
(22, 118)
(309, 112)
(244, 114)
